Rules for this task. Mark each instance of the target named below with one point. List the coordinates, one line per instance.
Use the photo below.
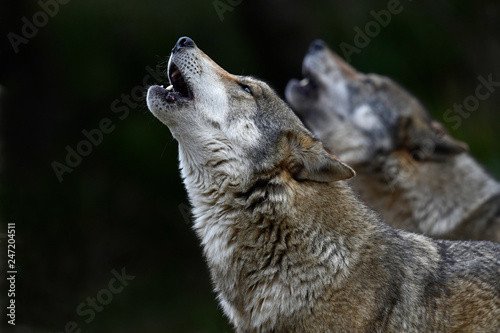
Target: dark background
(123, 205)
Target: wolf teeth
(304, 82)
(170, 87)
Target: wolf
(289, 246)
(410, 170)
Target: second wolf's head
(409, 169)
(364, 116)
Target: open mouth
(310, 81)
(178, 88)
(308, 85)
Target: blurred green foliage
(120, 206)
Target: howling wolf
(409, 169)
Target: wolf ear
(429, 140)
(310, 161)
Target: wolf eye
(246, 88)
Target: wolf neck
(209, 180)
(259, 236)
(440, 195)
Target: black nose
(316, 45)
(182, 43)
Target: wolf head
(364, 115)
(234, 126)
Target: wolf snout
(183, 42)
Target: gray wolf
(288, 245)
(410, 170)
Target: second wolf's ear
(430, 141)
(310, 161)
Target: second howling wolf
(408, 168)
(289, 246)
